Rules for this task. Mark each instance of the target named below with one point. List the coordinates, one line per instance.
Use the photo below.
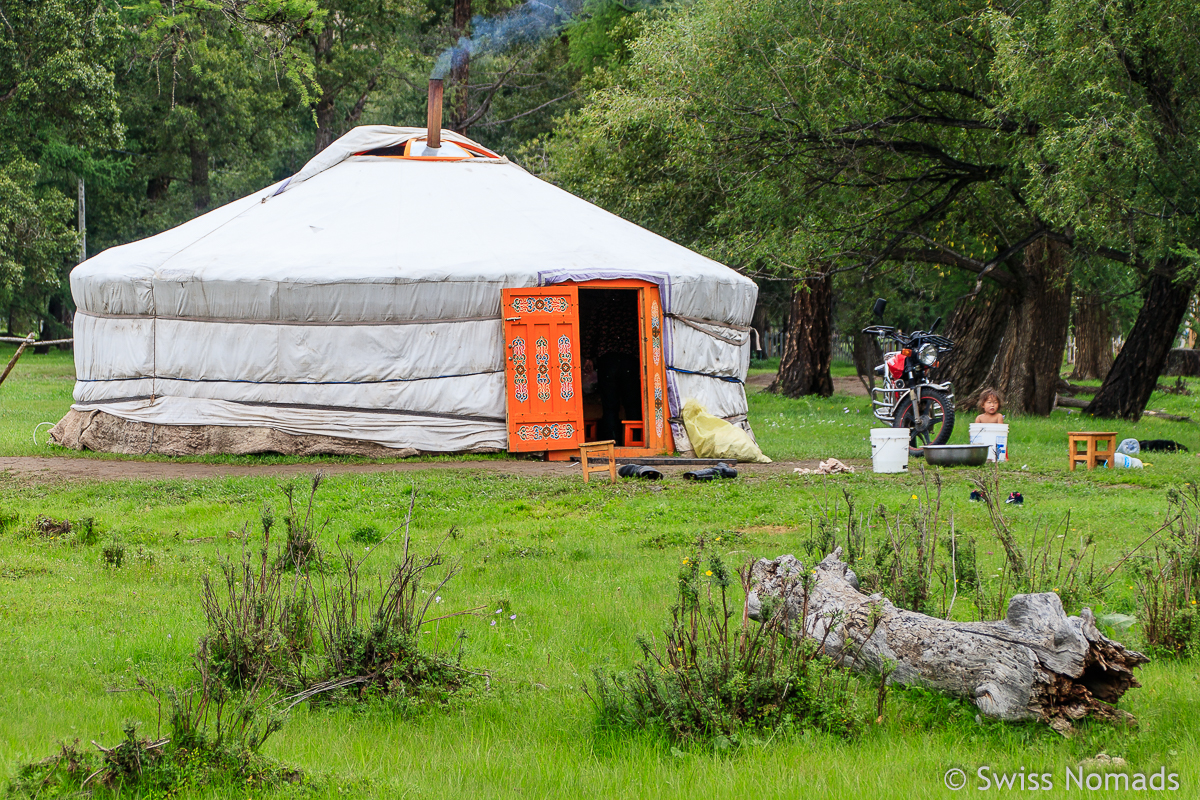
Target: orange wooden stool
(1091, 451)
(635, 432)
(599, 449)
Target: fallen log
(1036, 664)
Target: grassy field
(585, 569)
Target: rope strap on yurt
(726, 378)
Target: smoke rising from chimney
(526, 24)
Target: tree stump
(1036, 664)
(1183, 362)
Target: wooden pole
(82, 222)
(13, 361)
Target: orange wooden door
(544, 395)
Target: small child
(990, 401)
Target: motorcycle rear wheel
(932, 425)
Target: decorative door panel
(541, 339)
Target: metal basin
(956, 455)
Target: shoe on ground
(639, 471)
(706, 474)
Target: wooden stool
(594, 449)
(635, 432)
(1092, 451)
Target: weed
(85, 532)
(368, 534)
(272, 622)
(716, 676)
(8, 520)
(214, 741)
(300, 548)
(50, 528)
(1047, 564)
(113, 554)
(1168, 579)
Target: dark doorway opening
(610, 346)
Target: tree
(1093, 338)
(804, 363)
(835, 140)
(56, 92)
(1116, 153)
(361, 46)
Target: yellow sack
(713, 437)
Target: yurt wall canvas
(359, 303)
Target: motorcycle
(908, 399)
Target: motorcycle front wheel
(932, 424)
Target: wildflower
(709, 572)
(914, 497)
(499, 610)
(437, 599)
(512, 616)
(718, 538)
(1056, 588)
(685, 561)
(493, 623)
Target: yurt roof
(354, 237)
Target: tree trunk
(1037, 663)
(1135, 371)
(804, 365)
(157, 186)
(325, 110)
(867, 355)
(761, 323)
(201, 195)
(1093, 339)
(460, 69)
(1183, 362)
(1026, 370)
(977, 329)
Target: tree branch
(530, 111)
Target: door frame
(655, 406)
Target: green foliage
(270, 623)
(113, 554)
(214, 742)
(717, 677)
(602, 38)
(1168, 577)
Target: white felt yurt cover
(361, 299)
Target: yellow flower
(685, 561)
(709, 572)
(1056, 588)
(914, 497)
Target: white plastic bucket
(889, 449)
(994, 436)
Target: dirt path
(51, 470)
(841, 385)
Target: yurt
(408, 291)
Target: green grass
(585, 568)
